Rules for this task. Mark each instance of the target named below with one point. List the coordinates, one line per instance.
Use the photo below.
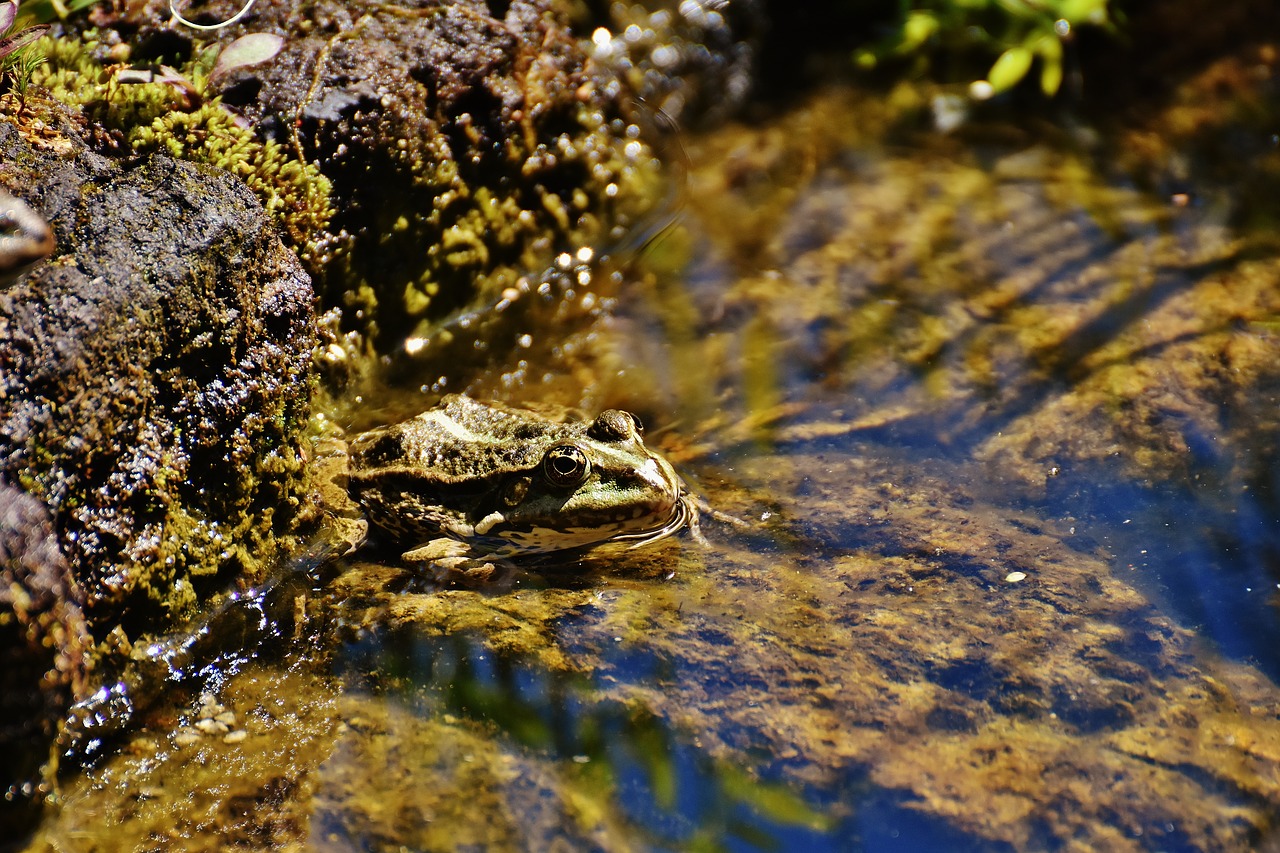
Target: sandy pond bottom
(1002, 433)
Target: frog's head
(602, 485)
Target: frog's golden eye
(566, 466)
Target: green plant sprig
(18, 58)
(1021, 32)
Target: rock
(466, 147)
(43, 640)
(154, 377)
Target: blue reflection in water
(1206, 551)
(1208, 556)
(664, 786)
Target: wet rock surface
(154, 377)
(43, 652)
(467, 146)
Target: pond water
(1000, 429)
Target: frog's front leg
(450, 562)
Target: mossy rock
(156, 376)
(466, 148)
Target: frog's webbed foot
(449, 562)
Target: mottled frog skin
(509, 482)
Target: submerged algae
(890, 637)
(973, 662)
(1042, 317)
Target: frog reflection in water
(466, 483)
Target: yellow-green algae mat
(905, 625)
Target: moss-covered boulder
(467, 146)
(154, 374)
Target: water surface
(999, 425)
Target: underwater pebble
(186, 736)
(212, 727)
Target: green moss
(453, 235)
(160, 116)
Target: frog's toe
(474, 574)
(449, 562)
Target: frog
(467, 489)
(469, 493)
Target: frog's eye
(566, 466)
(614, 425)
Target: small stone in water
(186, 737)
(212, 727)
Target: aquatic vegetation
(1019, 32)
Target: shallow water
(1001, 429)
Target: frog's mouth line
(684, 514)
(516, 539)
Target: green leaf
(1083, 11)
(1051, 77)
(1049, 48)
(1009, 68)
(917, 29)
(22, 39)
